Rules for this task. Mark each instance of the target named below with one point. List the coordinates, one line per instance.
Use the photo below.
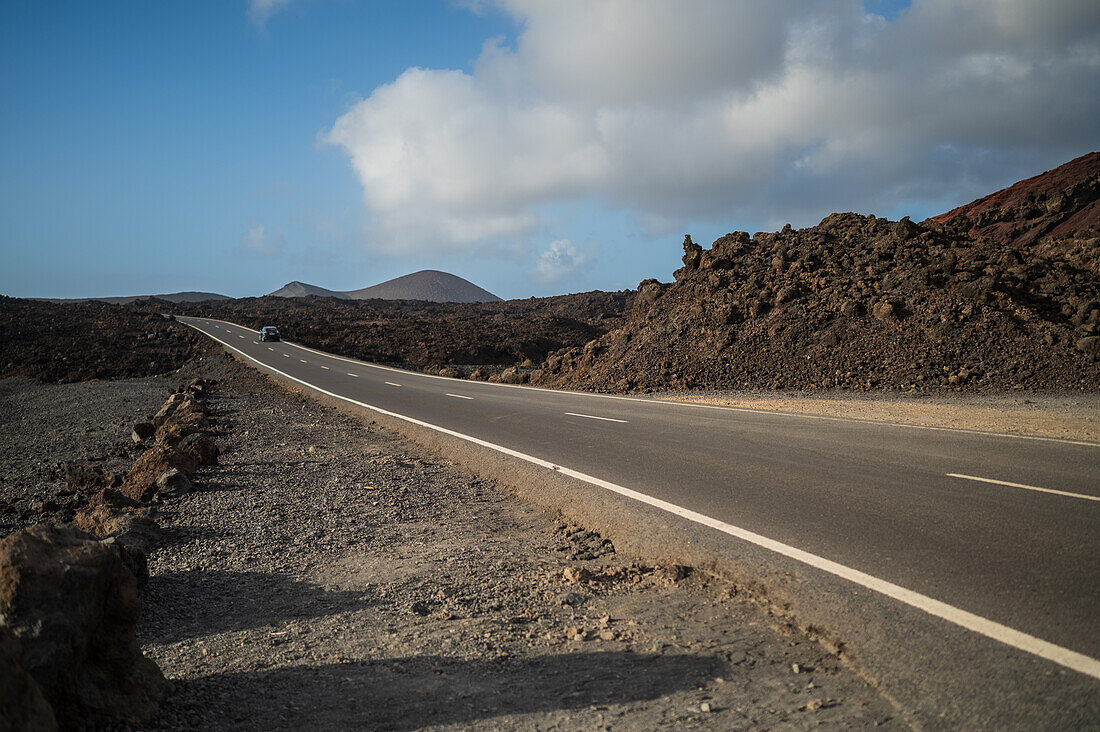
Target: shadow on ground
(411, 693)
(233, 601)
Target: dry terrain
(328, 574)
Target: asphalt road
(999, 535)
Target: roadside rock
(133, 527)
(73, 604)
(141, 432)
(140, 484)
(172, 483)
(201, 447)
(23, 706)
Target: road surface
(997, 536)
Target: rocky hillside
(89, 340)
(423, 334)
(857, 302)
(429, 284)
(1060, 204)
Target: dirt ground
(331, 575)
(1067, 417)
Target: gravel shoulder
(1074, 416)
(329, 574)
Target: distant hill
(428, 284)
(1058, 204)
(301, 289)
(170, 297)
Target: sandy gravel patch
(1074, 416)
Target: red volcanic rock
(1061, 203)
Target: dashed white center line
(459, 396)
(303, 360)
(256, 343)
(240, 336)
(351, 374)
(392, 384)
(1026, 487)
(592, 416)
(286, 355)
(326, 368)
(270, 348)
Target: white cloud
(259, 11)
(258, 241)
(559, 260)
(778, 111)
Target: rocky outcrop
(72, 602)
(140, 483)
(855, 302)
(1061, 204)
(23, 706)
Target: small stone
(172, 482)
(704, 707)
(814, 704)
(576, 574)
(796, 668)
(141, 432)
(607, 635)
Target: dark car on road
(269, 333)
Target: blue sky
(534, 149)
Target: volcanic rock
(805, 309)
(141, 432)
(140, 484)
(72, 603)
(172, 483)
(201, 447)
(23, 706)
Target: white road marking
(459, 396)
(392, 384)
(255, 343)
(240, 336)
(326, 368)
(351, 374)
(983, 626)
(592, 416)
(1027, 487)
(270, 348)
(286, 355)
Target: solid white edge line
(459, 396)
(1027, 487)
(983, 626)
(721, 407)
(592, 416)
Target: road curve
(996, 534)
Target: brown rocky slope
(69, 342)
(861, 302)
(1063, 203)
(422, 334)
